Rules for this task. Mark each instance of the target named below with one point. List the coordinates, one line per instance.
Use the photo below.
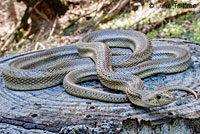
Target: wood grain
(56, 111)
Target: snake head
(158, 98)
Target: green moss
(67, 31)
(181, 20)
(179, 28)
(152, 34)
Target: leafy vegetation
(80, 17)
(185, 27)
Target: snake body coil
(122, 71)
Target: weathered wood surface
(53, 110)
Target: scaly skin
(48, 68)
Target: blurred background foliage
(27, 25)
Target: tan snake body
(48, 68)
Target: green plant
(152, 34)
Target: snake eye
(158, 96)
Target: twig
(53, 28)
(19, 25)
(40, 34)
(100, 6)
(37, 44)
(42, 15)
(111, 13)
(167, 19)
(74, 21)
(90, 23)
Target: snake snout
(159, 99)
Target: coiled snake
(122, 71)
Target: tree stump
(52, 110)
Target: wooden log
(54, 111)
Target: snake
(119, 59)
